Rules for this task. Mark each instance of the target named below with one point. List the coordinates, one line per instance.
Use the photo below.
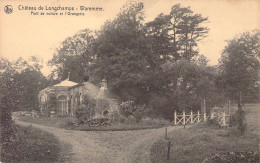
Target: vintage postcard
(129, 80)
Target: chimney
(104, 84)
(68, 76)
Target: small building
(62, 99)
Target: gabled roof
(66, 83)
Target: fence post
(204, 110)
(166, 133)
(169, 150)
(184, 117)
(212, 115)
(191, 116)
(198, 116)
(224, 119)
(229, 107)
(175, 117)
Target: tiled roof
(66, 83)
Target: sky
(24, 35)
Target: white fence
(222, 118)
(184, 118)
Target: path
(108, 146)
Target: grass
(59, 122)
(118, 127)
(200, 141)
(64, 122)
(33, 145)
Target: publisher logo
(8, 9)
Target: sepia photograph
(125, 81)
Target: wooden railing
(222, 118)
(186, 118)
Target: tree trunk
(240, 114)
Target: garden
(129, 116)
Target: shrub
(213, 123)
(49, 105)
(113, 116)
(8, 133)
(140, 112)
(238, 120)
(127, 108)
(84, 112)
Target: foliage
(99, 122)
(120, 57)
(31, 145)
(49, 105)
(85, 111)
(199, 142)
(248, 156)
(8, 130)
(127, 108)
(238, 121)
(187, 83)
(20, 83)
(102, 104)
(141, 112)
(240, 67)
(131, 55)
(74, 55)
(175, 35)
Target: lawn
(119, 127)
(59, 122)
(33, 145)
(65, 122)
(201, 141)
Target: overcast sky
(24, 35)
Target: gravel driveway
(107, 146)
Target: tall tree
(188, 83)
(75, 56)
(240, 67)
(121, 56)
(20, 83)
(178, 33)
(240, 70)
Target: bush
(245, 156)
(84, 112)
(127, 108)
(8, 133)
(238, 120)
(140, 112)
(213, 123)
